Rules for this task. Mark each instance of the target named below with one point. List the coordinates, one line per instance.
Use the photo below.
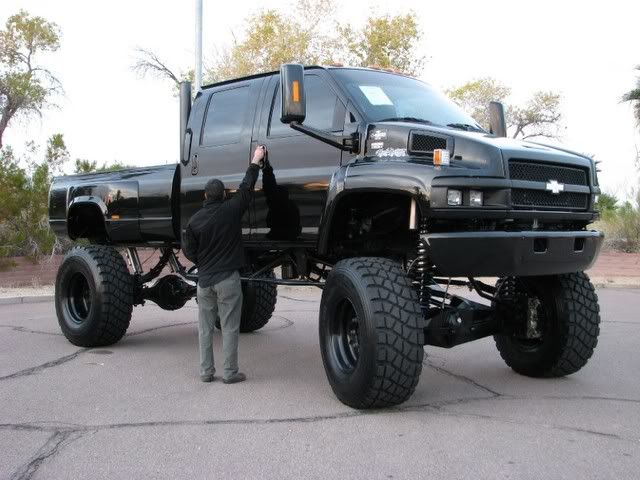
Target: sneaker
(237, 378)
(207, 378)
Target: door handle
(194, 164)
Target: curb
(26, 299)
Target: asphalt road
(138, 410)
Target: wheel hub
(344, 339)
(79, 298)
(352, 336)
(533, 319)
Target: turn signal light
(440, 157)
(295, 91)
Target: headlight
(454, 197)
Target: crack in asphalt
(298, 299)
(67, 358)
(495, 395)
(52, 446)
(462, 378)
(513, 421)
(437, 408)
(153, 329)
(624, 322)
(65, 433)
(287, 323)
(44, 366)
(585, 397)
(28, 330)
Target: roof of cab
(306, 67)
(251, 77)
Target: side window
(321, 108)
(225, 117)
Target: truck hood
(481, 154)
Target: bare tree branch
(149, 63)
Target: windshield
(383, 96)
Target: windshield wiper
(407, 119)
(465, 126)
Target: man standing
(213, 242)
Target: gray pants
(224, 300)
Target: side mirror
(293, 100)
(497, 122)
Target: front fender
(371, 177)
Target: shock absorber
(421, 268)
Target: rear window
(225, 117)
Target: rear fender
(86, 218)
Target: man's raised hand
(258, 155)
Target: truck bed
(136, 205)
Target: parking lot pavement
(138, 410)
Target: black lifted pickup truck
(380, 191)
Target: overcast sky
(585, 50)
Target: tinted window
(383, 96)
(321, 107)
(225, 117)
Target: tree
(474, 97)
(89, 166)
(273, 37)
(57, 154)
(538, 117)
(25, 86)
(13, 181)
(633, 96)
(24, 191)
(385, 42)
(24, 226)
(149, 63)
(606, 203)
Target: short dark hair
(214, 189)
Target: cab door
(221, 123)
(302, 166)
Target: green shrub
(622, 227)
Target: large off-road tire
(258, 303)
(94, 296)
(371, 333)
(566, 316)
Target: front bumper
(473, 254)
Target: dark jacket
(213, 240)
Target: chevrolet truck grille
(525, 198)
(538, 172)
(539, 197)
